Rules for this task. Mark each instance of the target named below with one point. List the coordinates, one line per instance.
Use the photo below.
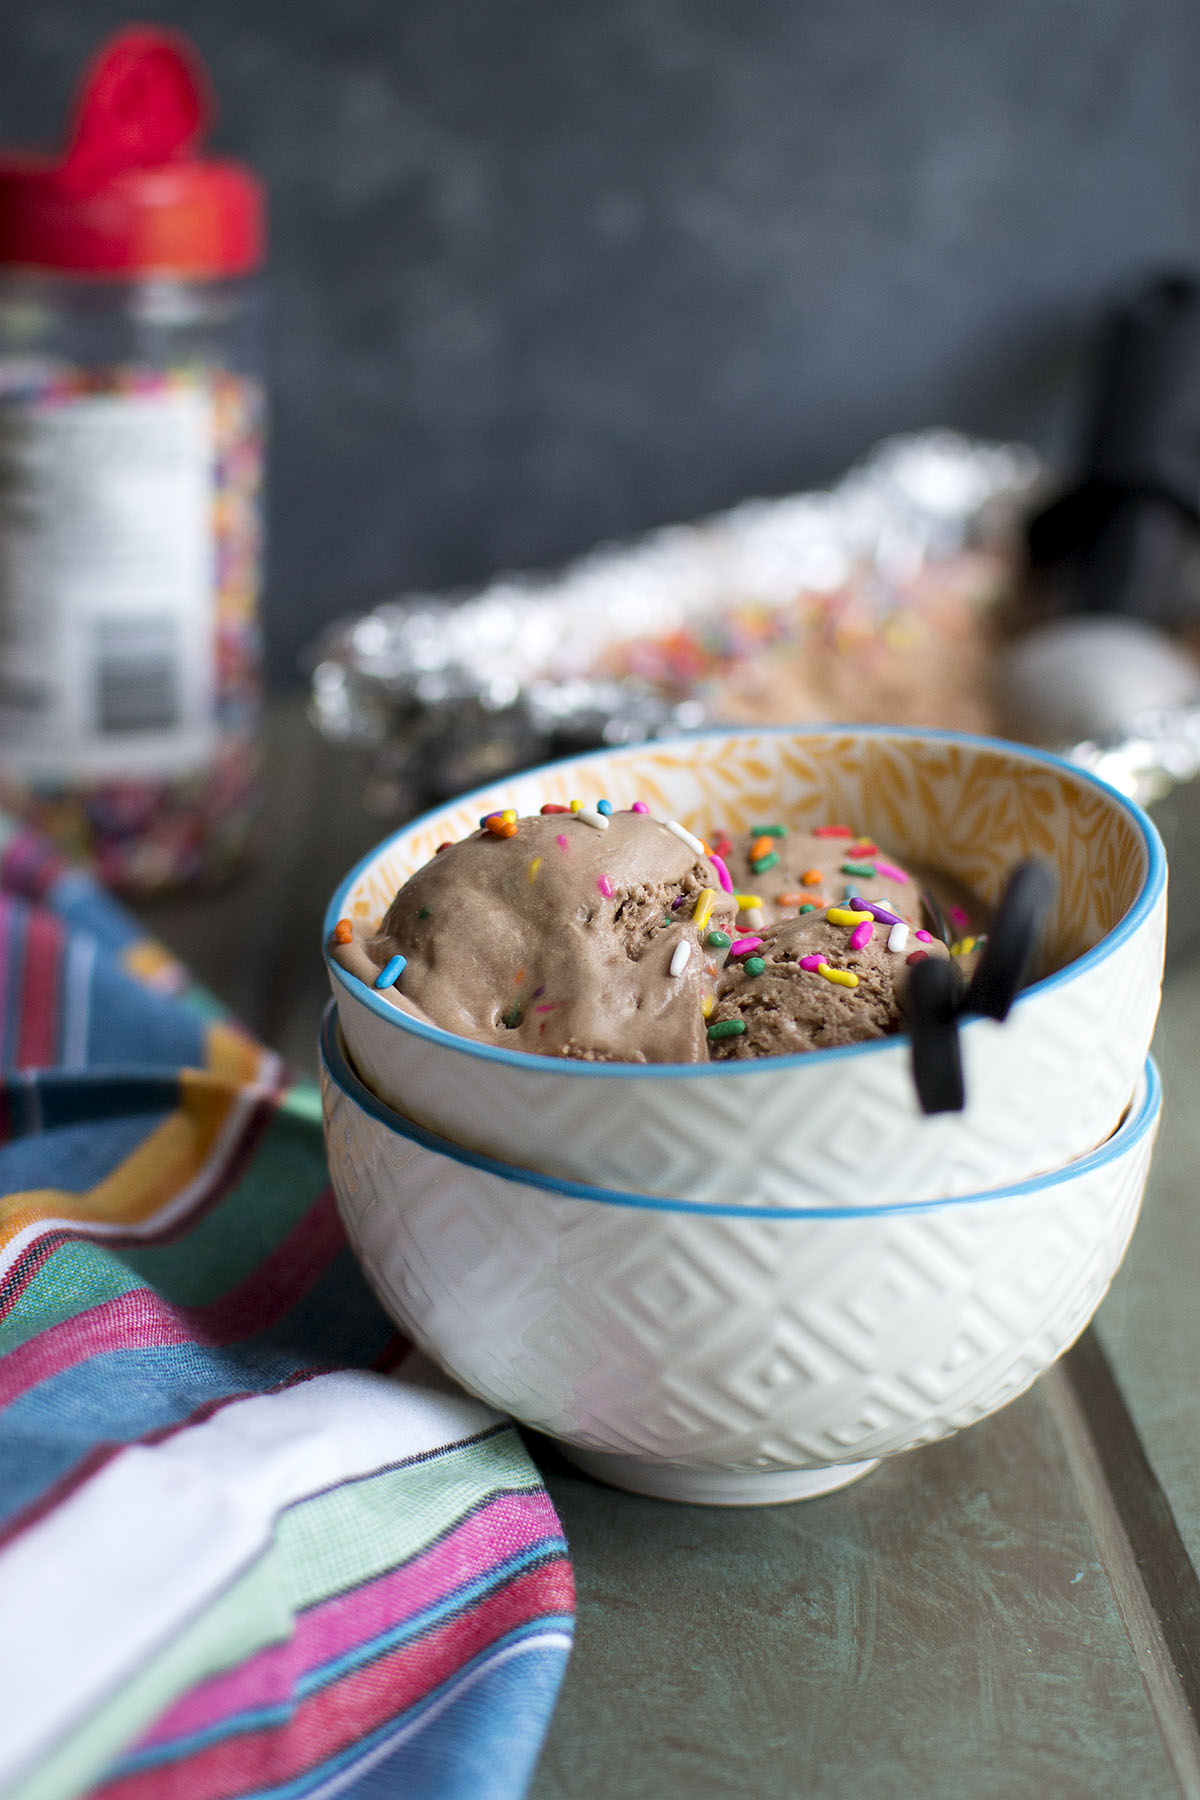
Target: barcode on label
(135, 666)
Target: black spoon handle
(1015, 934)
(934, 996)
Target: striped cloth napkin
(250, 1542)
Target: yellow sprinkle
(842, 977)
(534, 866)
(509, 816)
(704, 906)
(576, 805)
(963, 947)
(842, 915)
(706, 1005)
(747, 902)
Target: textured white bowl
(729, 1355)
(1042, 1089)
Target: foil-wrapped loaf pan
(880, 598)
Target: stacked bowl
(747, 1281)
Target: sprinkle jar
(131, 419)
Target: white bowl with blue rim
(726, 1354)
(1042, 1089)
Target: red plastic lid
(130, 197)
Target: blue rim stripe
(572, 1069)
(1126, 1137)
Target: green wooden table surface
(1014, 1612)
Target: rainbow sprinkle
(840, 977)
(534, 866)
(704, 906)
(680, 958)
(726, 1028)
(723, 875)
(754, 965)
(684, 836)
(394, 966)
(743, 946)
(861, 935)
(639, 806)
(889, 872)
(605, 885)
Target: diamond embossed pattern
(717, 1342)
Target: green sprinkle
(513, 1019)
(765, 862)
(718, 940)
(779, 831)
(808, 907)
(754, 965)
(858, 868)
(426, 912)
(726, 1028)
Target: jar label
(107, 585)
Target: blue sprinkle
(849, 893)
(387, 975)
(605, 807)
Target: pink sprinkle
(561, 841)
(723, 875)
(549, 1006)
(959, 918)
(743, 946)
(890, 872)
(812, 963)
(640, 806)
(861, 935)
(924, 936)
(605, 886)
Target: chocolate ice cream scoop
(572, 934)
(816, 981)
(784, 871)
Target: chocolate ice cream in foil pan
(892, 596)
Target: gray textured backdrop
(547, 271)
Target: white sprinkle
(684, 835)
(898, 936)
(755, 918)
(679, 961)
(590, 816)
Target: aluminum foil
(454, 689)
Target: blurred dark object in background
(1125, 538)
